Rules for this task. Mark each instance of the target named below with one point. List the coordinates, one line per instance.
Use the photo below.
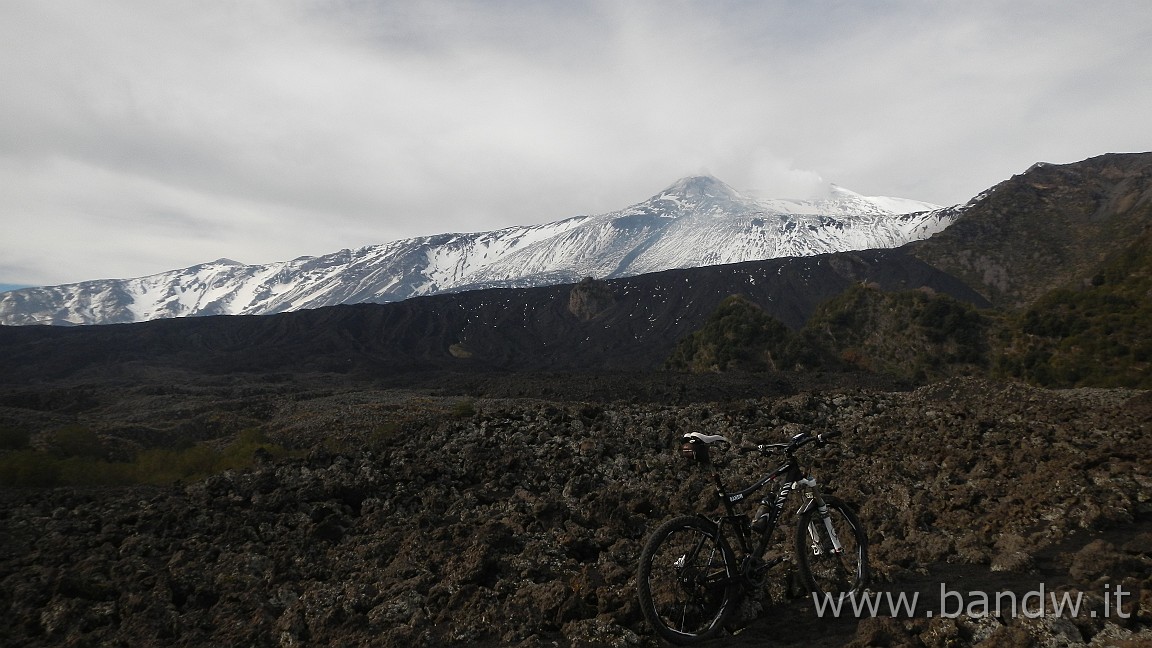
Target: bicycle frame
(693, 574)
(794, 478)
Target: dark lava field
(510, 509)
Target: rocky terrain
(511, 511)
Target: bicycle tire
(687, 580)
(823, 570)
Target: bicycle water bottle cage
(694, 446)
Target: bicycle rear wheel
(688, 580)
(823, 568)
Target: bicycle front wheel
(832, 555)
(687, 580)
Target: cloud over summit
(137, 137)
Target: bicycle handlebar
(794, 444)
(797, 442)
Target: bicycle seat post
(695, 446)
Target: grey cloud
(277, 129)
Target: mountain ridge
(696, 221)
(1051, 226)
(633, 323)
(505, 329)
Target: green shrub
(1098, 334)
(739, 335)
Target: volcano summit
(697, 221)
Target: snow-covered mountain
(697, 221)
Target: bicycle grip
(831, 434)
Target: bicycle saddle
(706, 438)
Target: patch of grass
(34, 468)
(464, 409)
(383, 435)
(29, 468)
(75, 441)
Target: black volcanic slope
(1049, 227)
(499, 329)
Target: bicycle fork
(828, 541)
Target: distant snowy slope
(697, 221)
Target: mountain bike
(695, 569)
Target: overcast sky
(143, 136)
